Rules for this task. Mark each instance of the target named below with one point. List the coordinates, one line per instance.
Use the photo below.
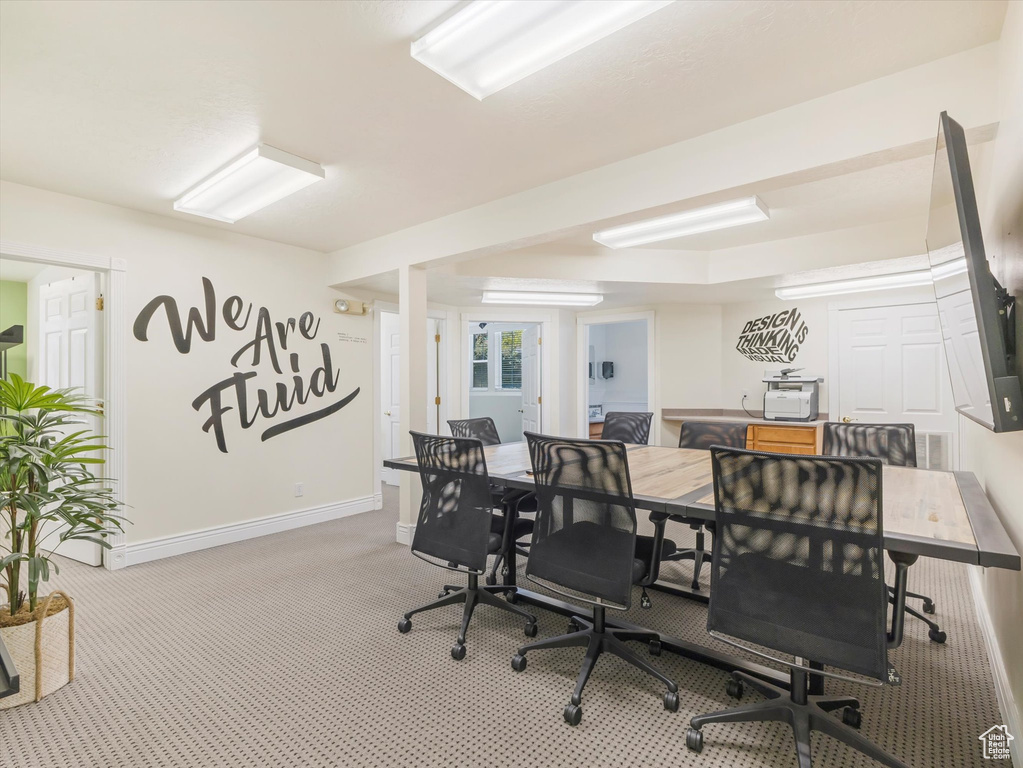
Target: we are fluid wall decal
(271, 348)
(774, 338)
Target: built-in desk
(805, 437)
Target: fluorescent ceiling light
(261, 176)
(706, 219)
(490, 44)
(556, 299)
(856, 285)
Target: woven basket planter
(43, 651)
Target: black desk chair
(454, 527)
(701, 435)
(585, 547)
(798, 568)
(894, 444)
(629, 427)
(513, 503)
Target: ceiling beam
(882, 115)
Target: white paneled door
(390, 397)
(69, 355)
(892, 369)
(531, 379)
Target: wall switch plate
(299, 489)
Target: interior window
(510, 374)
(480, 358)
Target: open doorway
(59, 309)
(390, 387)
(616, 368)
(505, 375)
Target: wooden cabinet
(788, 438)
(596, 429)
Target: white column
(412, 325)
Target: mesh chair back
(627, 426)
(797, 563)
(482, 429)
(701, 435)
(894, 444)
(454, 517)
(584, 537)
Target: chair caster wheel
(530, 629)
(404, 626)
(654, 647)
(937, 636)
(671, 701)
(442, 595)
(573, 627)
(512, 597)
(694, 740)
(644, 601)
(573, 714)
(458, 652)
(929, 607)
(735, 689)
(518, 662)
(852, 717)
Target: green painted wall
(14, 311)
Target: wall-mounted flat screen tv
(976, 312)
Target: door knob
(521, 411)
(846, 420)
(387, 413)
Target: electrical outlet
(299, 489)
(745, 394)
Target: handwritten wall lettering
(773, 339)
(270, 347)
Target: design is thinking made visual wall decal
(773, 339)
(268, 346)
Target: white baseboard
(154, 549)
(404, 534)
(378, 501)
(1006, 701)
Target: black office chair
(629, 427)
(585, 547)
(701, 435)
(454, 527)
(482, 428)
(894, 444)
(512, 502)
(798, 568)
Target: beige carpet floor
(283, 651)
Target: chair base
(934, 632)
(597, 638)
(698, 555)
(471, 595)
(804, 713)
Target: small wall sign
(271, 350)
(774, 338)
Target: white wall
(997, 459)
(625, 345)
(177, 481)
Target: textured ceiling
(132, 103)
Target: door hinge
(539, 342)
(436, 400)
(99, 304)
(437, 338)
(539, 400)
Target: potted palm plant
(48, 495)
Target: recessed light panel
(549, 299)
(490, 44)
(706, 219)
(261, 176)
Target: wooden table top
(929, 513)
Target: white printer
(790, 397)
